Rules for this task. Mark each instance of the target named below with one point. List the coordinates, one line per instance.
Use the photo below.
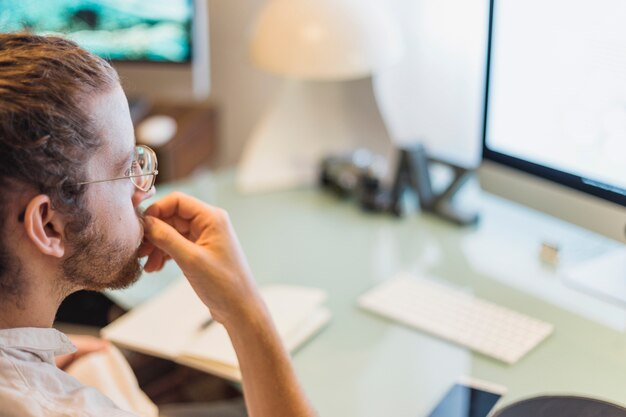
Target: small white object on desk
(549, 253)
(456, 316)
(156, 130)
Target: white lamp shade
(325, 39)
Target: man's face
(104, 253)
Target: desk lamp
(316, 45)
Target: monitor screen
(556, 92)
(119, 30)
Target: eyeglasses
(142, 171)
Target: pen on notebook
(206, 323)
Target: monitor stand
(507, 247)
(603, 276)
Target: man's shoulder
(16, 403)
(30, 389)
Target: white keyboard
(457, 316)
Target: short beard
(98, 264)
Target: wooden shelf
(195, 143)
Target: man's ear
(44, 226)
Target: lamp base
(308, 121)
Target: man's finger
(166, 238)
(176, 204)
(153, 260)
(145, 249)
(181, 206)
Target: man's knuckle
(160, 235)
(197, 256)
(222, 215)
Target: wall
(244, 92)
(436, 94)
(449, 33)
(241, 91)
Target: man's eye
(133, 168)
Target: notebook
(172, 326)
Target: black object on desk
(356, 175)
(413, 173)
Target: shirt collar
(45, 343)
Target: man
(72, 180)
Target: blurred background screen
(119, 30)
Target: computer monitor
(555, 108)
(554, 134)
(159, 47)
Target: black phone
(469, 398)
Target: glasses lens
(144, 168)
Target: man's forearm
(202, 241)
(271, 388)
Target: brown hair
(46, 133)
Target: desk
(363, 365)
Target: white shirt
(32, 386)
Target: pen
(206, 323)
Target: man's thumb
(166, 238)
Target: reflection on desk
(364, 366)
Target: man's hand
(84, 345)
(201, 240)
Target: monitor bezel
(563, 178)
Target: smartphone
(469, 398)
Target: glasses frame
(152, 174)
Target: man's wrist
(251, 314)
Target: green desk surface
(364, 365)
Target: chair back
(561, 406)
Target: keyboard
(457, 316)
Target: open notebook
(170, 326)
